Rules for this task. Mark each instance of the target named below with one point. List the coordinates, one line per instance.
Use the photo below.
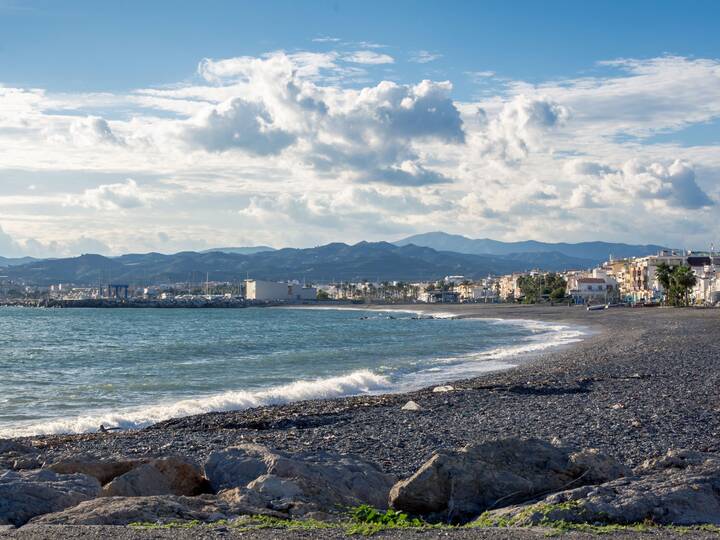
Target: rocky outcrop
(104, 470)
(456, 485)
(25, 494)
(300, 483)
(167, 476)
(125, 510)
(680, 488)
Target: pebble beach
(641, 382)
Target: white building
(256, 289)
(599, 287)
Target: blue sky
(110, 46)
(538, 119)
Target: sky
(168, 126)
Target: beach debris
(457, 485)
(313, 481)
(411, 406)
(617, 406)
(25, 494)
(444, 388)
(103, 429)
(680, 488)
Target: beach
(642, 381)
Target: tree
(683, 280)
(535, 288)
(663, 273)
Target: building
(256, 289)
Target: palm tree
(684, 279)
(663, 273)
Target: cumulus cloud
(519, 127)
(369, 133)
(240, 124)
(673, 184)
(92, 131)
(122, 195)
(561, 159)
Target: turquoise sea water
(69, 370)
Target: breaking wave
(358, 382)
(439, 370)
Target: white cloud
(369, 57)
(292, 138)
(91, 131)
(424, 57)
(125, 195)
(521, 126)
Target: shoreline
(644, 382)
(632, 360)
(489, 359)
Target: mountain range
(423, 256)
(596, 252)
(332, 262)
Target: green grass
(366, 521)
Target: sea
(71, 370)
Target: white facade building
(256, 289)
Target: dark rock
(456, 485)
(25, 494)
(680, 488)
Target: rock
(8, 446)
(142, 481)
(14, 455)
(104, 470)
(456, 485)
(25, 494)
(411, 406)
(681, 488)
(25, 463)
(445, 388)
(237, 466)
(166, 476)
(302, 482)
(125, 510)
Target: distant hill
(9, 261)
(250, 250)
(594, 252)
(365, 260)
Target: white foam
(358, 382)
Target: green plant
(367, 520)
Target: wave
(358, 382)
(544, 336)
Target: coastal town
(643, 281)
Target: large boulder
(125, 510)
(165, 476)
(25, 494)
(456, 485)
(681, 488)
(104, 470)
(299, 483)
